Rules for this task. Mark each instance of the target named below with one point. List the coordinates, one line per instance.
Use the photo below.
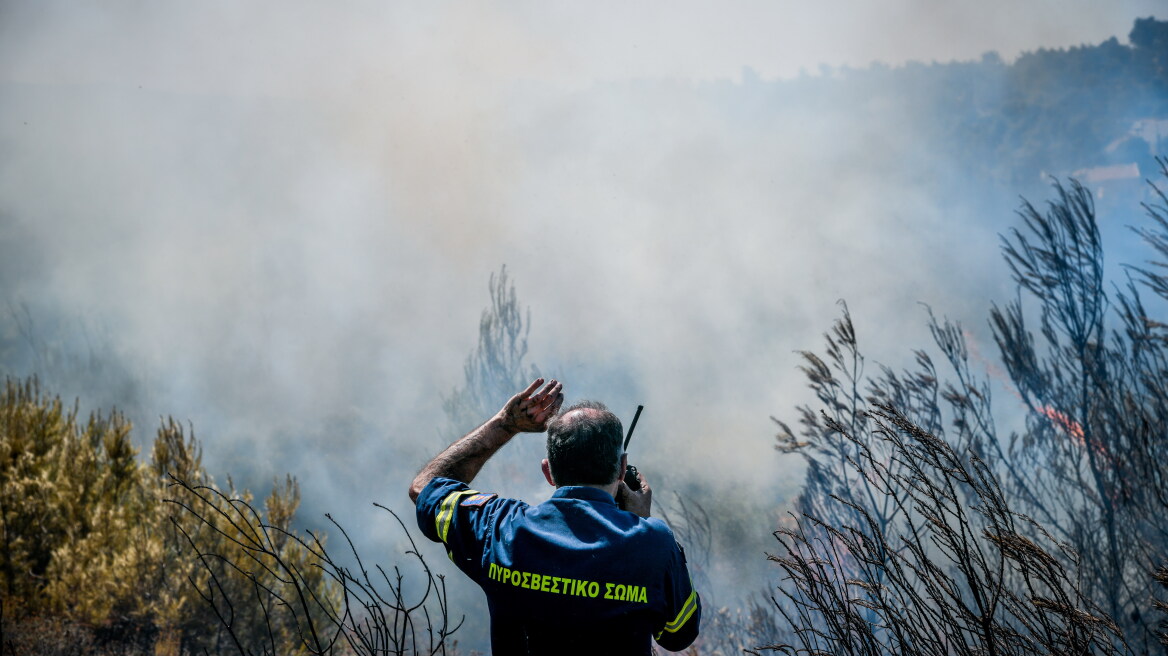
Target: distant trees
(902, 501)
(1150, 35)
(1047, 112)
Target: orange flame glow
(1063, 421)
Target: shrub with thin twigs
(1089, 377)
(961, 573)
(363, 613)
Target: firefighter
(578, 573)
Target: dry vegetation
(921, 529)
(104, 554)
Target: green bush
(88, 545)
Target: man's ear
(547, 472)
(620, 473)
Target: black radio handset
(631, 478)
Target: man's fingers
(547, 412)
(546, 397)
(553, 387)
(526, 394)
(554, 395)
(524, 399)
(531, 410)
(639, 502)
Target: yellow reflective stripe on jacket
(686, 612)
(446, 512)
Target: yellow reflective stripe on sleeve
(446, 512)
(686, 612)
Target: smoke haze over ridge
(281, 217)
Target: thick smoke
(277, 220)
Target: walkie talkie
(631, 479)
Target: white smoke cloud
(286, 213)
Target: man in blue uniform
(576, 574)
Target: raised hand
(530, 411)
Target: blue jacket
(574, 574)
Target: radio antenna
(633, 425)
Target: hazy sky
(283, 215)
(278, 47)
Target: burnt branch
(274, 591)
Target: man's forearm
(463, 460)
